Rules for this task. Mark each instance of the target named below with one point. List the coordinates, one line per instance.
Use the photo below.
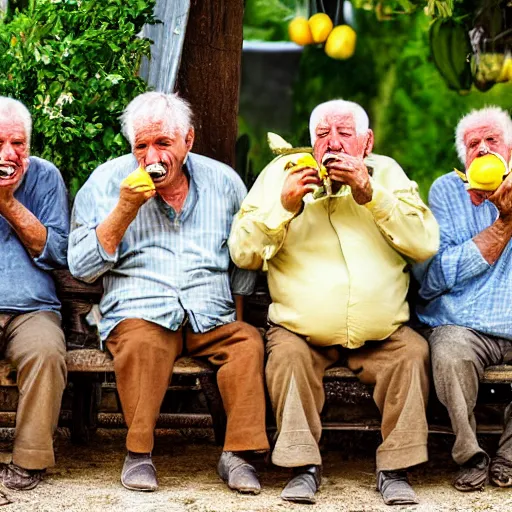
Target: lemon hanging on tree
(341, 43)
(320, 25)
(299, 31)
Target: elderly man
(468, 288)
(337, 274)
(162, 252)
(34, 229)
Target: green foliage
(74, 64)
(267, 20)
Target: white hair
(156, 107)
(495, 116)
(340, 107)
(12, 109)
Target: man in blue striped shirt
(162, 252)
(34, 225)
(468, 286)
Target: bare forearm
(111, 231)
(492, 241)
(27, 226)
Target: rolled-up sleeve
(457, 261)
(87, 259)
(52, 210)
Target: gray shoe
(238, 473)
(303, 485)
(139, 473)
(395, 488)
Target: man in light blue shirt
(468, 286)
(160, 245)
(34, 225)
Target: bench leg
(214, 401)
(84, 407)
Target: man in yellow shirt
(338, 278)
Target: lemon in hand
(140, 180)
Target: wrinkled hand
(351, 170)
(502, 199)
(298, 183)
(7, 190)
(132, 198)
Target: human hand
(300, 181)
(136, 189)
(502, 199)
(351, 170)
(8, 186)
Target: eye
(322, 134)
(140, 146)
(164, 144)
(473, 144)
(491, 139)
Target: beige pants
(144, 355)
(34, 343)
(399, 369)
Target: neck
(176, 192)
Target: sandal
(472, 475)
(501, 471)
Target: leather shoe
(139, 473)
(395, 488)
(303, 486)
(238, 473)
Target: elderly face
(484, 139)
(154, 145)
(336, 134)
(14, 151)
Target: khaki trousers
(34, 343)
(144, 355)
(399, 369)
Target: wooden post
(209, 74)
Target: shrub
(74, 64)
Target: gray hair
(156, 107)
(14, 109)
(320, 112)
(488, 115)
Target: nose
(7, 153)
(483, 149)
(334, 141)
(152, 156)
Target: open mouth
(6, 171)
(157, 172)
(329, 158)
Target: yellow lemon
(487, 172)
(320, 25)
(506, 70)
(139, 178)
(299, 31)
(341, 42)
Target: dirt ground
(87, 479)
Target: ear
(369, 143)
(189, 139)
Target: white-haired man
(34, 225)
(337, 274)
(467, 286)
(164, 260)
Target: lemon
(506, 70)
(139, 178)
(320, 25)
(486, 172)
(341, 42)
(299, 31)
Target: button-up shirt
(25, 284)
(168, 267)
(461, 287)
(336, 271)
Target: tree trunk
(209, 74)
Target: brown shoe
(473, 474)
(501, 471)
(20, 479)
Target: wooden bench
(91, 374)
